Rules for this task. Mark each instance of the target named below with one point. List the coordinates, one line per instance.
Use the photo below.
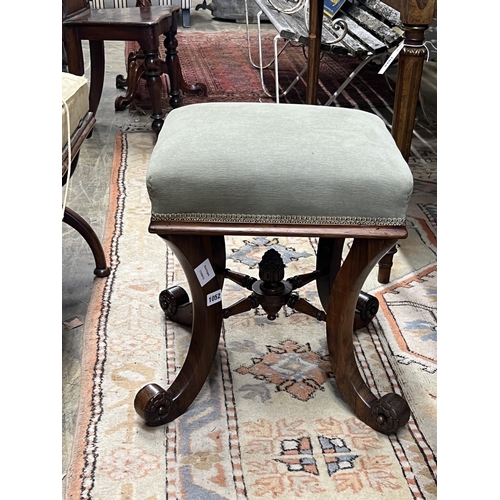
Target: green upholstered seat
(269, 163)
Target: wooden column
(315, 26)
(416, 16)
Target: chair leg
(385, 266)
(391, 411)
(83, 227)
(154, 404)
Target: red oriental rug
(221, 62)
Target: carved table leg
(410, 67)
(173, 66)
(136, 70)
(154, 404)
(385, 414)
(153, 80)
(199, 89)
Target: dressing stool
(275, 170)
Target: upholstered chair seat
(250, 163)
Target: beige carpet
(270, 422)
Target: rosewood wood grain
(327, 231)
(385, 414)
(159, 406)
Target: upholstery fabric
(269, 163)
(75, 93)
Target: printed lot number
(214, 297)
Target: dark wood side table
(141, 24)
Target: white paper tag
(391, 58)
(214, 297)
(204, 272)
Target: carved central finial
(271, 267)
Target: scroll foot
(174, 302)
(152, 404)
(391, 412)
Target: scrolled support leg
(385, 414)
(135, 72)
(153, 403)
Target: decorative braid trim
(279, 219)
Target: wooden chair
(144, 25)
(339, 176)
(79, 120)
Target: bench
(373, 30)
(373, 27)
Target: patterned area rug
(221, 62)
(269, 423)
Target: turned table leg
(173, 66)
(153, 82)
